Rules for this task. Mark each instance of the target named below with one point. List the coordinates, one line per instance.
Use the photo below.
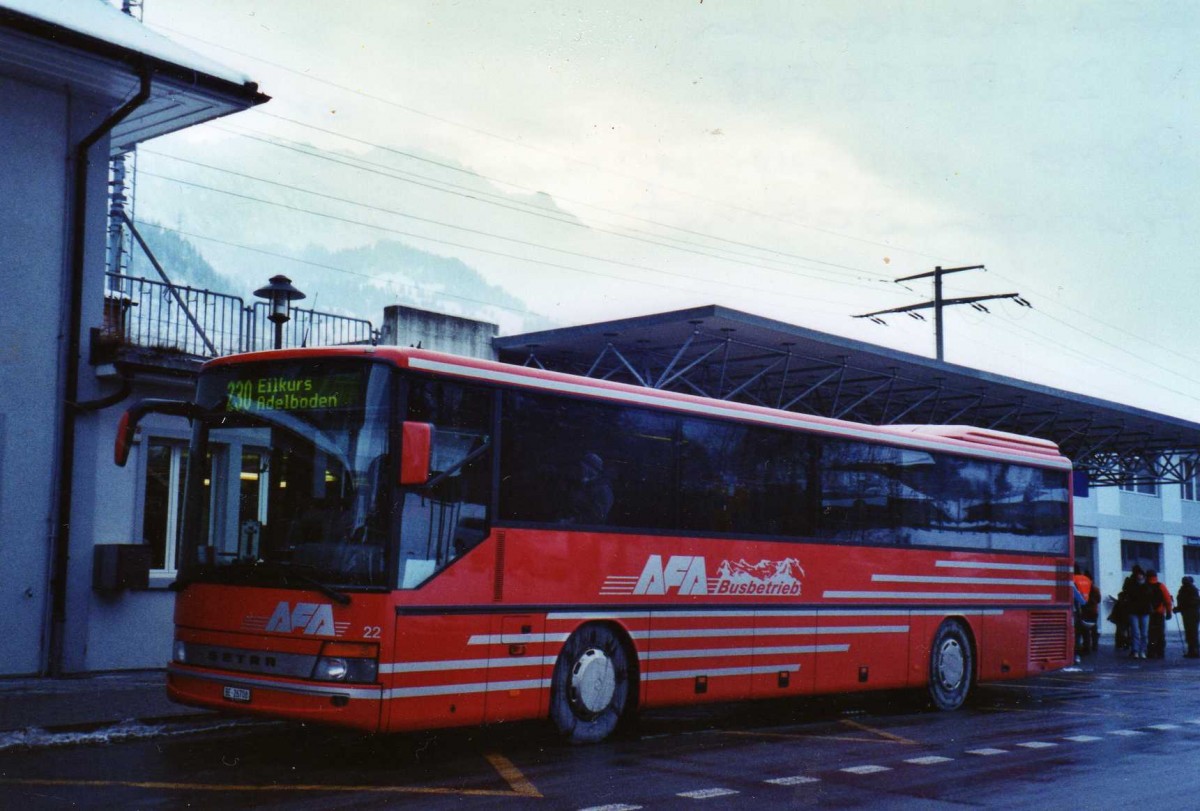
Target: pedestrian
(1086, 613)
(1137, 596)
(1160, 612)
(1091, 613)
(1187, 603)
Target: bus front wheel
(951, 665)
(590, 690)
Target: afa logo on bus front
(688, 575)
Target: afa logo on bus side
(688, 575)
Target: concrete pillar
(408, 326)
(1109, 575)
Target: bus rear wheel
(590, 690)
(951, 666)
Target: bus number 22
(371, 632)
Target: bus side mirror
(127, 427)
(416, 452)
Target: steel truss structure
(726, 354)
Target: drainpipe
(60, 545)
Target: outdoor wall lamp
(280, 293)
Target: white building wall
(1112, 516)
(129, 629)
(33, 232)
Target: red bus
(395, 539)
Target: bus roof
(961, 438)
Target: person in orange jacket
(1160, 612)
(1086, 615)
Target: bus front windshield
(289, 475)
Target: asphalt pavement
(88, 702)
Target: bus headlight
(347, 662)
(180, 652)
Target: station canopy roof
(717, 352)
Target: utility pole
(939, 303)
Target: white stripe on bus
(308, 688)
(699, 633)
(931, 595)
(701, 653)
(478, 687)
(966, 581)
(1015, 567)
(465, 664)
(664, 675)
(577, 616)
(515, 639)
(966, 449)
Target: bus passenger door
(436, 677)
(785, 660)
(517, 678)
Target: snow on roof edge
(99, 20)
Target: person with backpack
(1088, 640)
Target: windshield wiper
(285, 570)
(289, 569)
(281, 568)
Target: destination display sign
(298, 391)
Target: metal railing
(185, 320)
(307, 328)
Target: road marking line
(1126, 733)
(512, 775)
(1080, 687)
(165, 786)
(1037, 744)
(867, 769)
(798, 780)
(929, 760)
(1096, 714)
(987, 752)
(615, 807)
(1164, 727)
(887, 735)
(706, 793)
(1084, 738)
(796, 736)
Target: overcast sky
(795, 155)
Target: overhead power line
(866, 276)
(491, 251)
(322, 265)
(532, 147)
(427, 220)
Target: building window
(1085, 554)
(1191, 556)
(165, 463)
(1146, 554)
(1145, 488)
(163, 505)
(1190, 488)
(1140, 479)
